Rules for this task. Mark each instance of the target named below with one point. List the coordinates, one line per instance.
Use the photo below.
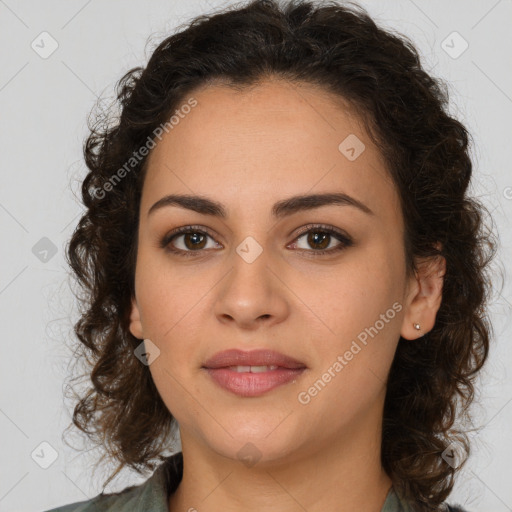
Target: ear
(424, 297)
(135, 322)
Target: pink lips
(249, 384)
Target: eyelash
(345, 241)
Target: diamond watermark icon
(249, 249)
(44, 455)
(146, 352)
(351, 147)
(453, 455)
(249, 454)
(44, 250)
(454, 45)
(44, 45)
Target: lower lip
(252, 384)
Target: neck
(344, 474)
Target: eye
(194, 240)
(321, 236)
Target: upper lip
(260, 357)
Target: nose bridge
(251, 262)
(251, 290)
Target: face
(324, 285)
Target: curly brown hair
(404, 109)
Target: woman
(281, 260)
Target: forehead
(271, 140)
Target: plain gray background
(44, 103)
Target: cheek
(355, 292)
(170, 302)
(164, 293)
(359, 305)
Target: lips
(254, 373)
(262, 357)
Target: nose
(252, 294)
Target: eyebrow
(206, 206)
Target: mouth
(250, 374)
(260, 358)
(252, 369)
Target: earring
(416, 326)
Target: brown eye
(320, 238)
(186, 241)
(191, 241)
(194, 240)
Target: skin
(249, 149)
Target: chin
(251, 445)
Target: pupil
(314, 237)
(195, 237)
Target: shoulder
(396, 503)
(455, 508)
(150, 496)
(104, 502)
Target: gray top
(153, 494)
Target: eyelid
(320, 227)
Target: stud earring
(416, 326)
